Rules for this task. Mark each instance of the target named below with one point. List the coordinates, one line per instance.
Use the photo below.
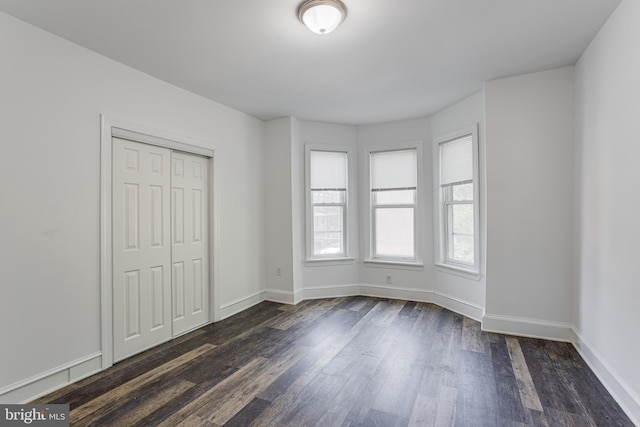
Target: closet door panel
(141, 251)
(190, 244)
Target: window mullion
(328, 204)
(396, 206)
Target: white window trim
(441, 262)
(384, 263)
(321, 262)
(349, 220)
(399, 262)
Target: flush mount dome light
(322, 16)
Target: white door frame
(111, 127)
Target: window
(458, 194)
(393, 182)
(327, 221)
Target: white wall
(318, 276)
(607, 245)
(297, 206)
(529, 166)
(465, 291)
(278, 209)
(52, 93)
(387, 135)
(285, 231)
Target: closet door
(190, 246)
(141, 247)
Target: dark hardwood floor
(354, 361)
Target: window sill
(403, 265)
(321, 262)
(458, 271)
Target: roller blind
(328, 170)
(456, 161)
(394, 170)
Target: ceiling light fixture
(322, 16)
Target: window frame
(347, 220)
(399, 261)
(442, 203)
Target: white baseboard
(379, 291)
(628, 400)
(241, 304)
(32, 388)
(334, 291)
(449, 302)
(524, 327)
(284, 297)
(298, 296)
(460, 306)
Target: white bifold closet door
(160, 245)
(189, 231)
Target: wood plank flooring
(354, 361)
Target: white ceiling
(390, 59)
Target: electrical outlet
(388, 279)
(278, 271)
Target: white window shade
(328, 170)
(394, 170)
(456, 161)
